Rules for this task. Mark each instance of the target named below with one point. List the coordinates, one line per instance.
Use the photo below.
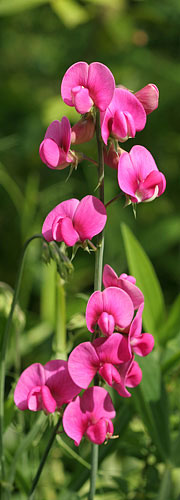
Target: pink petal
(106, 323)
(148, 96)
(32, 377)
(101, 85)
(60, 383)
(69, 235)
(106, 124)
(82, 100)
(127, 175)
(109, 276)
(49, 403)
(96, 403)
(109, 373)
(142, 161)
(112, 350)
(34, 400)
(83, 364)
(54, 132)
(93, 310)
(124, 100)
(65, 134)
(143, 344)
(50, 153)
(136, 325)
(119, 304)
(76, 75)
(119, 125)
(97, 432)
(134, 375)
(64, 209)
(74, 421)
(90, 217)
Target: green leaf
(70, 12)
(171, 327)
(165, 490)
(146, 279)
(9, 7)
(151, 379)
(12, 188)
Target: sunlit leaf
(70, 12)
(8, 7)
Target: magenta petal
(106, 323)
(34, 400)
(114, 350)
(93, 310)
(109, 276)
(97, 403)
(136, 325)
(32, 377)
(49, 153)
(142, 161)
(134, 375)
(127, 175)
(83, 364)
(119, 126)
(65, 134)
(101, 85)
(74, 421)
(49, 403)
(132, 290)
(143, 344)
(64, 209)
(97, 432)
(76, 75)
(60, 382)
(82, 101)
(54, 132)
(109, 373)
(148, 96)
(118, 303)
(69, 235)
(90, 217)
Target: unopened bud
(83, 130)
(149, 97)
(111, 156)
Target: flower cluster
(114, 315)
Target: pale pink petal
(83, 364)
(76, 75)
(113, 350)
(69, 235)
(97, 432)
(149, 97)
(90, 217)
(75, 422)
(32, 377)
(64, 209)
(60, 383)
(82, 100)
(101, 85)
(143, 344)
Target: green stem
(97, 283)
(4, 349)
(44, 458)
(59, 342)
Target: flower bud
(111, 156)
(148, 96)
(83, 130)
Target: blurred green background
(140, 42)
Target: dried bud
(83, 130)
(148, 96)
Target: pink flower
(84, 85)
(125, 282)
(102, 356)
(72, 220)
(45, 387)
(124, 116)
(138, 175)
(54, 150)
(149, 97)
(109, 309)
(139, 343)
(90, 415)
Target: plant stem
(98, 283)
(113, 199)
(4, 349)
(43, 460)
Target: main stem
(98, 283)
(4, 349)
